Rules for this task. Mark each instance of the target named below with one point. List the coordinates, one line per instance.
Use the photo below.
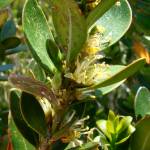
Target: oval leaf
(34, 115)
(37, 32)
(107, 89)
(27, 132)
(115, 22)
(34, 87)
(54, 53)
(11, 42)
(122, 74)
(141, 138)
(17, 140)
(20, 48)
(70, 26)
(142, 102)
(6, 67)
(95, 14)
(8, 30)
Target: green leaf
(8, 30)
(111, 115)
(57, 81)
(142, 102)
(54, 53)
(33, 114)
(110, 127)
(115, 22)
(121, 74)
(124, 124)
(105, 90)
(101, 91)
(4, 3)
(21, 125)
(17, 140)
(95, 14)
(141, 138)
(20, 48)
(6, 67)
(37, 32)
(70, 26)
(125, 132)
(11, 42)
(102, 125)
(110, 122)
(117, 128)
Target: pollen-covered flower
(93, 44)
(89, 71)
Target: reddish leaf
(33, 87)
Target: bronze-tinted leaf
(33, 87)
(70, 26)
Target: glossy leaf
(37, 32)
(141, 138)
(54, 53)
(17, 140)
(70, 26)
(4, 3)
(116, 126)
(99, 91)
(34, 115)
(6, 67)
(33, 87)
(102, 125)
(8, 30)
(115, 22)
(21, 125)
(107, 89)
(20, 48)
(121, 74)
(142, 102)
(124, 124)
(102, 7)
(11, 42)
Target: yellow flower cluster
(88, 71)
(93, 43)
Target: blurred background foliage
(15, 57)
